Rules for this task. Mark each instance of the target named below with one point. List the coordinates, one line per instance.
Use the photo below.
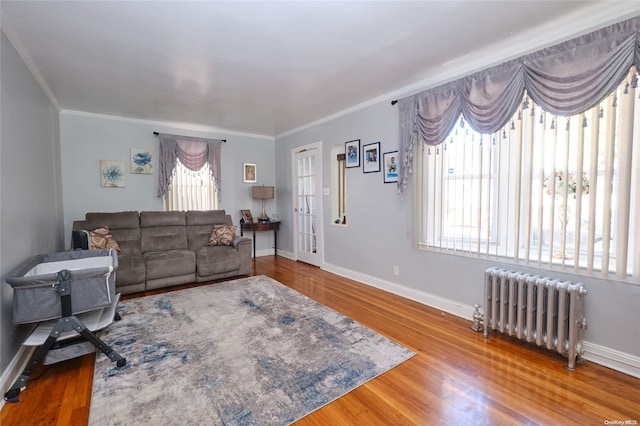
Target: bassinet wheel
(121, 362)
(12, 395)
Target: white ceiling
(270, 67)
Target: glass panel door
(307, 206)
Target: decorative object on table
(249, 173)
(390, 161)
(352, 151)
(263, 193)
(371, 157)
(112, 174)
(246, 216)
(249, 351)
(141, 161)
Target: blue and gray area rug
(245, 352)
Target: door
(307, 203)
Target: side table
(262, 226)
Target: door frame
(320, 200)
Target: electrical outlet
(396, 271)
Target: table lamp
(263, 193)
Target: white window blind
(189, 190)
(544, 190)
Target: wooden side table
(262, 226)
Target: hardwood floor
(456, 378)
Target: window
(189, 172)
(189, 190)
(544, 190)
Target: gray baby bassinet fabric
(35, 284)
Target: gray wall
(31, 200)
(380, 235)
(86, 139)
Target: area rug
(245, 352)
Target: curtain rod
(157, 133)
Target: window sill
(580, 272)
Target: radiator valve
(477, 319)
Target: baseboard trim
(14, 369)
(269, 252)
(611, 358)
(446, 305)
(616, 360)
(287, 254)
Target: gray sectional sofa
(162, 249)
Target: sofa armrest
(237, 240)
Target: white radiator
(539, 310)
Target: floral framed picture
(141, 161)
(112, 174)
(352, 153)
(390, 164)
(249, 173)
(371, 158)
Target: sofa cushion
(123, 226)
(153, 219)
(170, 263)
(163, 238)
(200, 224)
(118, 220)
(222, 235)
(131, 270)
(213, 260)
(207, 217)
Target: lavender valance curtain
(564, 79)
(192, 152)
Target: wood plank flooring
(457, 377)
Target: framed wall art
(141, 161)
(249, 173)
(371, 157)
(112, 174)
(352, 152)
(246, 215)
(390, 164)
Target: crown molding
(17, 44)
(554, 32)
(172, 124)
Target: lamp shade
(262, 192)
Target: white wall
(380, 235)
(31, 201)
(87, 138)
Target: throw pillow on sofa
(222, 235)
(101, 238)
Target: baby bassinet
(52, 289)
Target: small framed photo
(352, 153)
(112, 174)
(249, 173)
(371, 157)
(390, 163)
(141, 161)
(246, 215)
